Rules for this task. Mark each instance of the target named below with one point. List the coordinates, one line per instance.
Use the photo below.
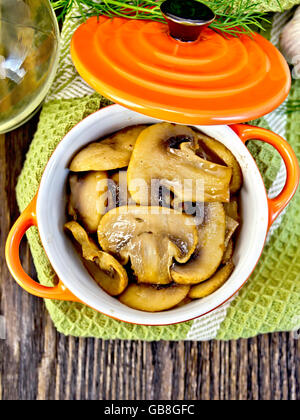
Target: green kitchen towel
(271, 299)
(273, 5)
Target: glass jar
(29, 46)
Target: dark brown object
(186, 19)
(38, 363)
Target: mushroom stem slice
(146, 297)
(209, 148)
(210, 249)
(151, 257)
(114, 152)
(165, 154)
(150, 237)
(87, 200)
(104, 268)
(210, 286)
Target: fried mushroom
(231, 227)
(212, 149)
(114, 152)
(166, 154)
(210, 249)
(103, 267)
(213, 284)
(148, 298)
(228, 254)
(150, 237)
(232, 209)
(87, 200)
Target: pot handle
(277, 204)
(12, 253)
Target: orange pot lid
(212, 80)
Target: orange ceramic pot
(75, 284)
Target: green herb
(233, 16)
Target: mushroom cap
(213, 284)
(88, 194)
(149, 298)
(103, 267)
(114, 152)
(166, 154)
(210, 249)
(151, 237)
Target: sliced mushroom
(184, 302)
(165, 154)
(104, 268)
(112, 153)
(228, 252)
(215, 151)
(210, 249)
(232, 209)
(119, 190)
(210, 286)
(231, 227)
(146, 297)
(87, 201)
(151, 237)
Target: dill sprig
(233, 16)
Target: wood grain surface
(37, 363)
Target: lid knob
(186, 18)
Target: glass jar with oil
(29, 46)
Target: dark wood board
(36, 362)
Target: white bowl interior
(51, 207)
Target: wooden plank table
(38, 363)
